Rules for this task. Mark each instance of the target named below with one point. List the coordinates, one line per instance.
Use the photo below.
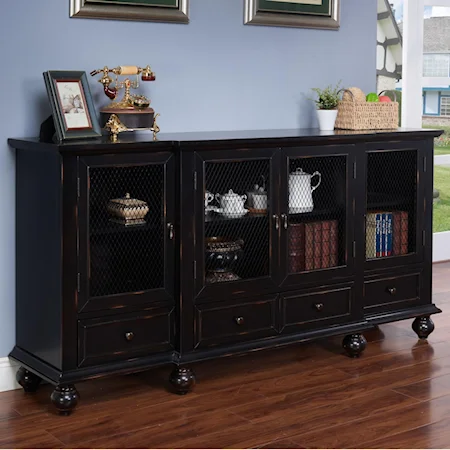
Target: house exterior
(436, 68)
(389, 48)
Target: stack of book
(313, 245)
(386, 233)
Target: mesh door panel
(237, 235)
(317, 213)
(391, 203)
(126, 244)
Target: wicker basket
(353, 115)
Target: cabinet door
(317, 211)
(394, 205)
(236, 247)
(126, 253)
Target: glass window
(445, 106)
(436, 65)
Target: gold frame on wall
(96, 10)
(254, 15)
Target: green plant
(328, 98)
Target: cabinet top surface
(212, 138)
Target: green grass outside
(441, 150)
(441, 209)
(438, 150)
(439, 127)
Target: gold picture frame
(321, 14)
(175, 11)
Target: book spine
(378, 235)
(388, 234)
(383, 235)
(334, 244)
(326, 247)
(396, 232)
(309, 246)
(297, 248)
(404, 233)
(317, 227)
(371, 238)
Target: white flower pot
(327, 118)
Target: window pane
(436, 65)
(445, 106)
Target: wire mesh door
(391, 204)
(129, 233)
(316, 228)
(236, 203)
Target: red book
(397, 233)
(404, 233)
(334, 244)
(296, 247)
(309, 246)
(326, 243)
(317, 229)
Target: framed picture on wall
(322, 14)
(73, 110)
(144, 10)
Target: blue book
(389, 234)
(378, 235)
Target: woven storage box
(353, 115)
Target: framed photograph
(322, 14)
(144, 10)
(73, 110)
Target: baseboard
(8, 369)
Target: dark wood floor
(397, 395)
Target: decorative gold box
(127, 210)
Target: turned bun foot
(182, 380)
(423, 326)
(354, 344)
(65, 398)
(28, 380)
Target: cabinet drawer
(124, 336)
(392, 292)
(218, 323)
(304, 310)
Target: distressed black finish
(96, 299)
(65, 398)
(354, 344)
(182, 380)
(28, 380)
(423, 326)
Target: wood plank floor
(397, 395)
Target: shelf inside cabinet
(109, 227)
(317, 214)
(214, 217)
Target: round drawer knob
(129, 336)
(392, 290)
(319, 306)
(239, 320)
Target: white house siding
(385, 83)
(431, 102)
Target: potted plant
(326, 103)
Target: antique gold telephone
(132, 112)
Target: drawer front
(218, 324)
(124, 336)
(391, 293)
(314, 309)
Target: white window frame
(445, 99)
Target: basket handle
(390, 90)
(346, 90)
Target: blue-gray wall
(213, 74)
